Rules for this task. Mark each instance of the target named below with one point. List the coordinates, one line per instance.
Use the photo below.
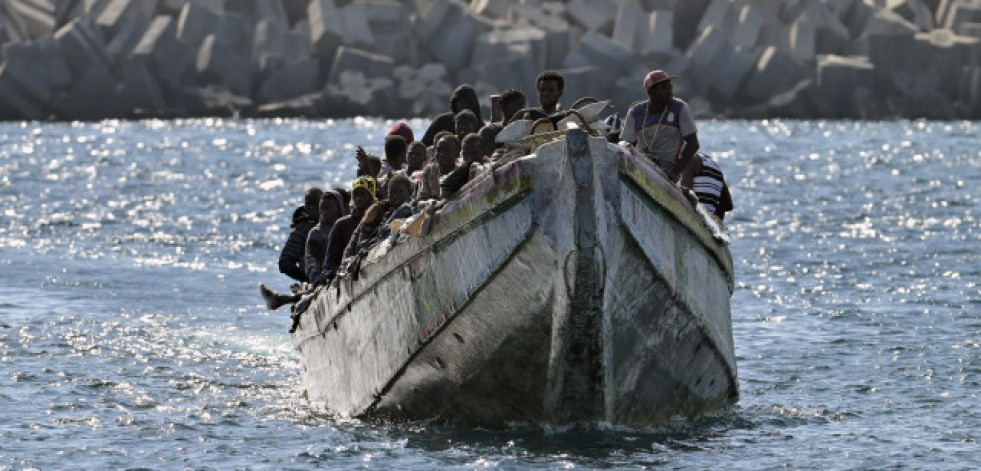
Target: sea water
(132, 334)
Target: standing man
(549, 85)
(662, 127)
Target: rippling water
(131, 333)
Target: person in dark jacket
(362, 196)
(304, 218)
(463, 98)
(332, 208)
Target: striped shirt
(709, 183)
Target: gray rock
(91, 97)
(733, 68)
(271, 37)
(30, 19)
(289, 82)
(593, 15)
(452, 33)
(775, 72)
(501, 44)
(326, 30)
(195, 23)
(23, 98)
(124, 41)
(631, 25)
(660, 33)
(360, 80)
(838, 77)
(748, 27)
(218, 63)
(138, 93)
(40, 62)
(549, 17)
(83, 47)
(171, 60)
(605, 53)
(214, 101)
(119, 13)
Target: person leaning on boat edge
(662, 127)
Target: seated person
(473, 158)
(304, 218)
(463, 98)
(332, 207)
(447, 152)
(512, 101)
(705, 178)
(662, 127)
(396, 152)
(488, 137)
(466, 122)
(362, 197)
(375, 225)
(550, 86)
(369, 165)
(416, 161)
(402, 129)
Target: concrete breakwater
(869, 59)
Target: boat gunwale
(654, 192)
(522, 194)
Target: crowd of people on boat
(334, 229)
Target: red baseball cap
(402, 129)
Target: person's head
(488, 138)
(550, 86)
(331, 206)
(447, 151)
(370, 166)
(362, 193)
(395, 151)
(466, 122)
(464, 98)
(659, 88)
(311, 200)
(402, 129)
(416, 158)
(512, 101)
(431, 151)
(472, 148)
(399, 189)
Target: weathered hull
(572, 286)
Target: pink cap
(656, 77)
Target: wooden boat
(569, 286)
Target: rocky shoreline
(810, 59)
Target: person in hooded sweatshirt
(304, 218)
(463, 98)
